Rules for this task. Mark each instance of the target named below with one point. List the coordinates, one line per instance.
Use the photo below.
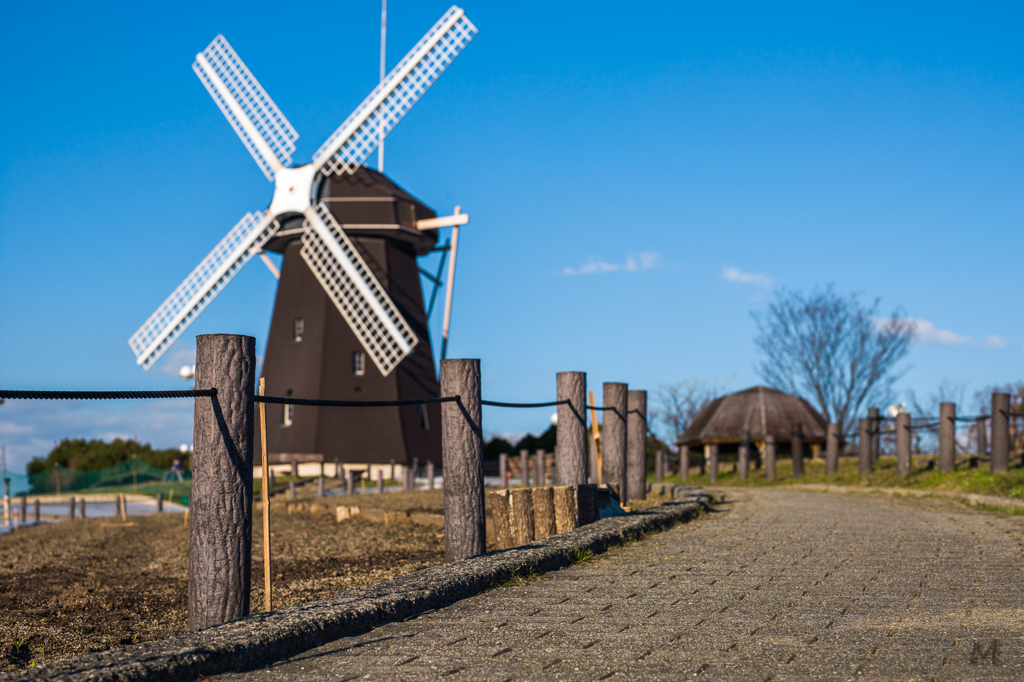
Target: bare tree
(832, 351)
(677, 404)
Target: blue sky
(640, 178)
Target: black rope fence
(273, 400)
(267, 399)
(494, 403)
(106, 395)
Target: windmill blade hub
(293, 190)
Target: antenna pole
(448, 293)
(383, 46)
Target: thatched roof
(762, 411)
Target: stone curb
(258, 639)
(971, 498)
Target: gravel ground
(91, 585)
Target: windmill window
(288, 414)
(421, 411)
(298, 329)
(359, 363)
(406, 214)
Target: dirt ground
(68, 589)
(72, 588)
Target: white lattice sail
(350, 145)
(359, 297)
(201, 286)
(264, 130)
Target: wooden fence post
(380, 481)
(520, 516)
(430, 475)
(524, 468)
(999, 462)
(566, 510)
(864, 439)
(797, 446)
(902, 444)
(876, 434)
(291, 490)
(591, 460)
(81, 507)
(350, 482)
(24, 509)
(320, 486)
(684, 462)
(586, 504)
(571, 444)
(71, 509)
(538, 462)
(659, 466)
(37, 511)
(295, 469)
(832, 449)
(160, 502)
(462, 447)
(769, 457)
(503, 469)
(947, 437)
(613, 437)
(636, 445)
(711, 457)
(744, 455)
(220, 537)
(544, 523)
(501, 517)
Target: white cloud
(648, 260)
(926, 332)
(995, 341)
(740, 277)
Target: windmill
(349, 284)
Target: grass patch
(962, 480)
(520, 577)
(580, 555)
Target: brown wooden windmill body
(312, 352)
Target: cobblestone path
(773, 585)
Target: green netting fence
(131, 473)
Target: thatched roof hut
(760, 410)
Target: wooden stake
(265, 497)
(597, 437)
(124, 508)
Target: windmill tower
(349, 320)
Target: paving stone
(780, 585)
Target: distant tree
(831, 350)
(93, 455)
(677, 404)
(497, 445)
(545, 441)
